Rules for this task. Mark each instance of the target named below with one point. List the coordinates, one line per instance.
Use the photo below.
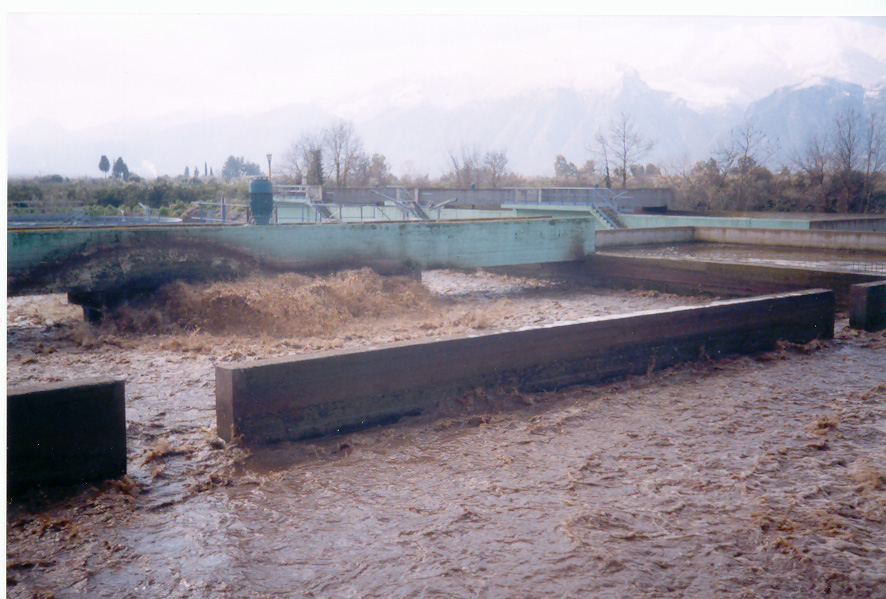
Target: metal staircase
(409, 204)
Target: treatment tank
(261, 200)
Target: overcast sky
(83, 70)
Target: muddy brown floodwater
(758, 476)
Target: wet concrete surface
(757, 476)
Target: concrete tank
(261, 201)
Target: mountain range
(532, 127)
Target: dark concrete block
(65, 433)
(867, 306)
(317, 394)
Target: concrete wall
(719, 278)
(281, 399)
(800, 238)
(867, 306)
(760, 220)
(89, 259)
(65, 433)
(649, 236)
(667, 220)
(832, 240)
(862, 223)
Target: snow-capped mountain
(533, 127)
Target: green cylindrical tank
(261, 200)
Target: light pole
(269, 165)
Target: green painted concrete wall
(663, 220)
(32, 255)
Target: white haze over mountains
(180, 92)
(533, 127)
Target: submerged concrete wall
(292, 398)
(698, 276)
(867, 306)
(65, 433)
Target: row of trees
(207, 172)
(840, 169)
(837, 170)
(108, 196)
(234, 168)
(119, 171)
(334, 155)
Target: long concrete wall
(798, 238)
(720, 278)
(65, 433)
(299, 397)
(869, 223)
(701, 220)
(820, 239)
(759, 220)
(87, 259)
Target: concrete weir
(65, 433)
(293, 398)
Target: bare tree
(466, 170)
(342, 149)
(745, 148)
(495, 163)
(603, 150)
(814, 161)
(301, 157)
(627, 144)
(874, 148)
(847, 141)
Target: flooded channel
(758, 476)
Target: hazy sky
(83, 70)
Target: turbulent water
(757, 476)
